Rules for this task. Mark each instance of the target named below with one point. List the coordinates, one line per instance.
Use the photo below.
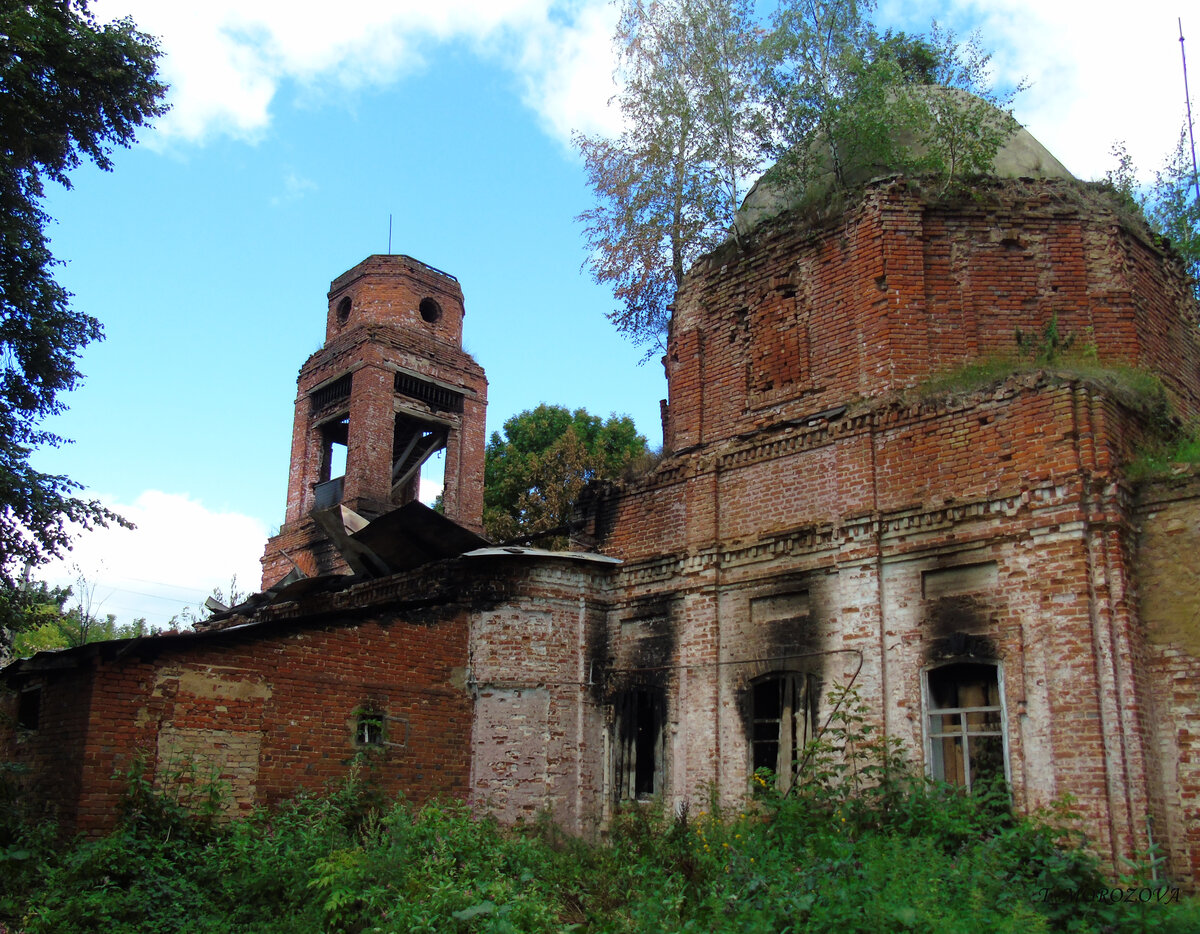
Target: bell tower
(391, 387)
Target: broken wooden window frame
(783, 721)
(639, 738)
(965, 723)
(375, 729)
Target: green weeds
(860, 843)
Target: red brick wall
(901, 286)
(1168, 598)
(54, 753)
(269, 712)
(1058, 617)
(389, 289)
(537, 666)
(795, 464)
(883, 457)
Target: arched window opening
(368, 728)
(783, 721)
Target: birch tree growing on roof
(668, 187)
(707, 98)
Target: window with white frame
(783, 721)
(965, 723)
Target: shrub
(861, 843)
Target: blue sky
(208, 251)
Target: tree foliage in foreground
(896, 854)
(709, 95)
(70, 90)
(534, 473)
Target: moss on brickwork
(1134, 387)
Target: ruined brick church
(976, 564)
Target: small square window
(368, 729)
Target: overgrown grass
(1136, 386)
(1057, 353)
(1162, 457)
(861, 845)
(1168, 442)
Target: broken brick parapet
(873, 308)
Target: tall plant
(668, 187)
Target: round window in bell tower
(430, 310)
(343, 310)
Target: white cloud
(226, 60)
(567, 73)
(295, 187)
(178, 553)
(1099, 72)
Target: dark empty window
(965, 724)
(638, 718)
(343, 310)
(430, 310)
(29, 708)
(783, 721)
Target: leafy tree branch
(71, 89)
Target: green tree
(846, 102)
(667, 189)
(66, 617)
(1173, 207)
(70, 89)
(534, 473)
(70, 628)
(27, 607)
(816, 87)
(708, 95)
(1171, 204)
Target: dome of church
(1020, 156)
